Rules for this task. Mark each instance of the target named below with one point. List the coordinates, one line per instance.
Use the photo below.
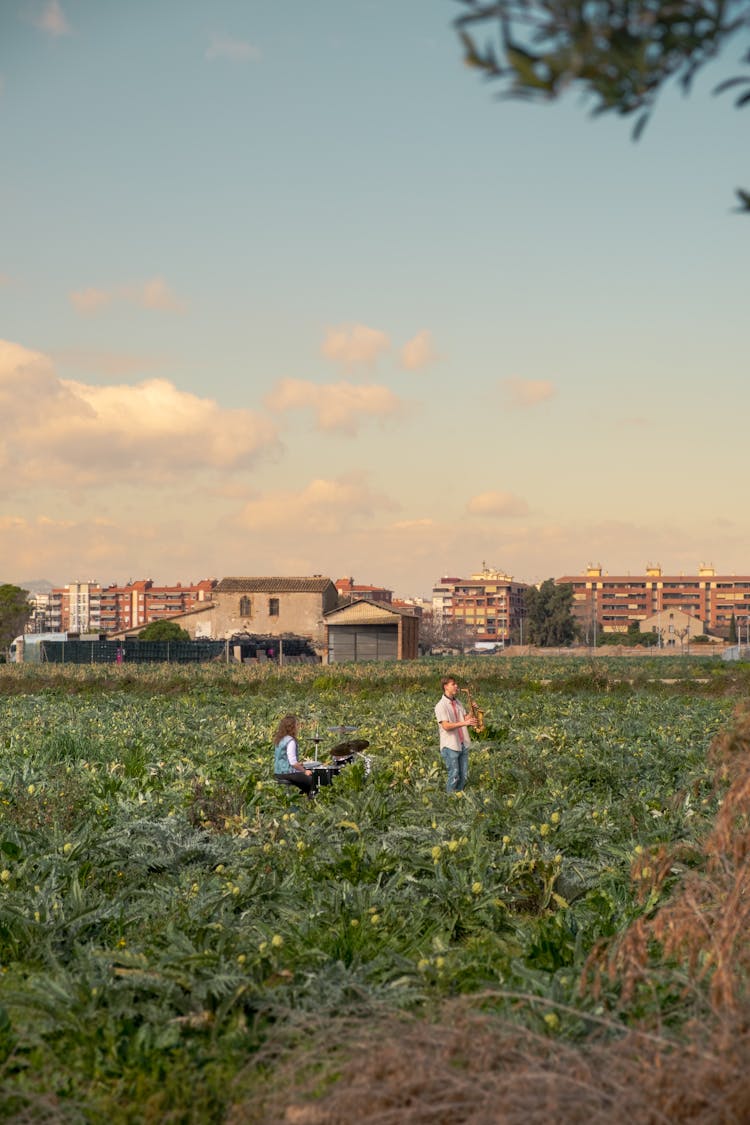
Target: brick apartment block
(616, 600)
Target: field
(184, 940)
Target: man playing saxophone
(453, 725)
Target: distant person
(453, 724)
(286, 767)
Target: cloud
(522, 393)
(236, 50)
(336, 406)
(323, 507)
(104, 549)
(418, 352)
(115, 364)
(90, 300)
(152, 294)
(502, 504)
(63, 433)
(59, 549)
(50, 18)
(354, 345)
(410, 525)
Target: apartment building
(137, 603)
(86, 607)
(40, 614)
(346, 588)
(75, 608)
(485, 608)
(612, 601)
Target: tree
(436, 631)
(549, 614)
(615, 639)
(732, 638)
(683, 634)
(14, 613)
(163, 631)
(430, 631)
(620, 55)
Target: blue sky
(285, 289)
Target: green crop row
(164, 903)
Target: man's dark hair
(448, 680)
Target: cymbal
(341, 729)
(354, 746)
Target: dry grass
(706, 923)
(469, 1067)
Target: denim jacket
(281, 762)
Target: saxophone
(475, 712)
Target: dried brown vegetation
(214, 808)
(470, 1068)
(705, 923)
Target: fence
(242, 648)
(132, 651)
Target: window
(273, 607)
(246, 606)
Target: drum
(323, 775)
(346, 760)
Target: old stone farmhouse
(274, 606)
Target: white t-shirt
(450, 711)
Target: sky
(285, 288)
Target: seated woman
(286, 768)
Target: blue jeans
(458, 767)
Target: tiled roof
(315, 585)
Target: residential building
(348, 590)
(75, 608)
(40, 614)
(138, 603)
(417, 607)
(674, 628)
(485, 608)
(610, 602)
